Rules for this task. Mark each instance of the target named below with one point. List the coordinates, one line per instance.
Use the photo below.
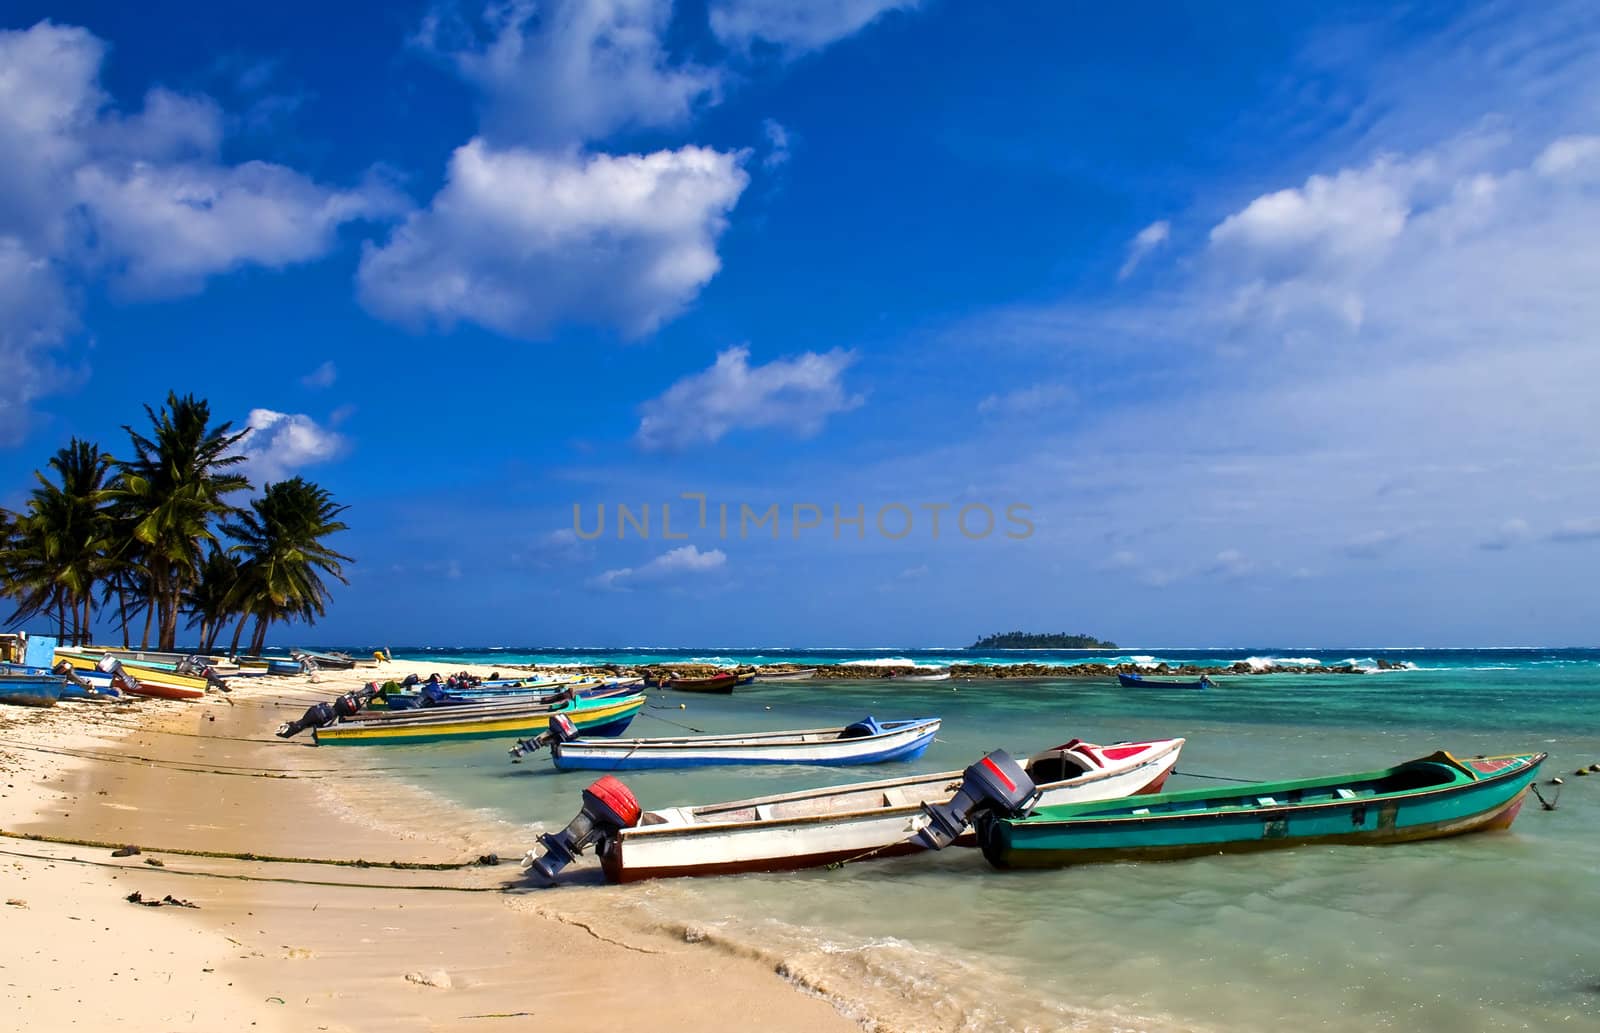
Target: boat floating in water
(718, 683)
(1139, 681)
(864, 820)
(865, 742)
(802, 674)
(1429, 798)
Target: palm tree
(56, 549)
(215, 596)
(173, 488)
(284, 557)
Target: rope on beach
(200, 767)
(420, 866)
(254, 878)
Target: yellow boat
(153, 681)
(592, 716)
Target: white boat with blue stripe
(867, 741)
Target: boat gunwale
(790, 737)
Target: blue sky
(1280, 321)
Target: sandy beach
(324, 935)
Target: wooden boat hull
(151, 681)
(30, 690)
(1172, 828)
(1134, 681)
(845, 823)
(606, 717)
(804, 674)
(721, 684)
(901, 740)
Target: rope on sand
(407, 866)
(253, 878)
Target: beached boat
(31, 690)
(718, 683)
(802, 674)
(593, 717)
(138, 679)
(865, 742)
(327, 661)
(854, 822)
(77, 686)
(1139, 681)
(1429, 798)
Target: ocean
(1491, 932)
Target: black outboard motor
(995, 784)
(608, 808)
(321, 715)
(120, 678)
(561, 730)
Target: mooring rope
(245, 855)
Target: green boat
(1428, 798)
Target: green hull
(1431, 798)
(593, 717)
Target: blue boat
(31, 690)
(92, 686)
(1139, 681)
(866, 742)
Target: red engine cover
(610, 791)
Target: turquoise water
(1494, 932)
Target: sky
(1179, 323)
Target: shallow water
(1492, 932)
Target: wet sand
(293, 944)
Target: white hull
(898, 740)
(824, 826)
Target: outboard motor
(120, 678)
(321, 715)
(561, 730)
(996, 784)
(608, 808)
(66, 670)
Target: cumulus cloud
(569, 71)
(686, 561)
(521, 241)
(142, 197)
(277, 445)
(796, 28)
(1143, 243)
(795, 394)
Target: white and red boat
(854, 822)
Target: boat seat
(1266, 801)
(764, 812)
(1345, 794)
(896, 798)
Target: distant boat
(803, 674)
(31, 690)
(1139, 681)
(865, 742)
(1430, 798)
(327, 661)
(816, 827)
(932, 676)
(455, 724)
(719, 683)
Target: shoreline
(292, 944)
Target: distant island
(1028, 640)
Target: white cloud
(570, 71)
(796, 27)
(1230, 564)
(796, 394)
(1577, 531)
(1371, 544)
(1570, 156)
(777, 144)
(686, 561)
(278, 445)
(323, 376)
(1143, 243)
(521, 242)
(1023, 401)
(143, 197)
(1508, 534)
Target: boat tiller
(561, 730)
(608, 808)
(995, 784)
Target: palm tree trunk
(149, 612)
(233, 650)
(259, 640)
(122, 610)
(88, 617)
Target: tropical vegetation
(1033, 640)
(169, 534)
